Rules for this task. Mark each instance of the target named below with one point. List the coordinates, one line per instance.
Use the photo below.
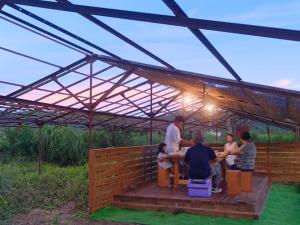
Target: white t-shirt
(230, 158)
(165, 163)
(172, 138)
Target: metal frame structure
(127, 94)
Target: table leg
(176, 174)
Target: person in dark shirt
(203, 164)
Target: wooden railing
(280, 161)
(112, 171)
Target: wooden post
(92, 196)
(151, 114)
(40, 148)
(124, 136)
(268, 154)
(90, 125)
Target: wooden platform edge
(264, 198)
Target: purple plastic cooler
(199, 188)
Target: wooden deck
(151, 197)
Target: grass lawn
(282, 208)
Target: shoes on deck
(216, 190)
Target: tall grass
(22, 188)
(64, 146)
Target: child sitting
(164, 162)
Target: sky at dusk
(258, 60)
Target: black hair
(161, 148)
(246, 136)
(229, 134)
(179, 119)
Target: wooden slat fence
(112, 171)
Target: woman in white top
(229, 147)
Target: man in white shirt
(173, 137)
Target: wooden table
(175, 159)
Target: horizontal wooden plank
(118, 149)
(122, 176)
(285, 179)
(117, 171)
(123, 170)
(103, 204)
(278, 164)
(118, 158)
(117, 164)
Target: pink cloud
(283, 83)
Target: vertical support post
(151, 114)
(269, 136)
(216, 135)
(268, 154)
(90, 125)
(40, 148)
(297, 133)
(92, 195)
(124, 136)
(91, 81)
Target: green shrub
(19, 142)
(64, 146)
(22, 188)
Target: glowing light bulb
(210, 107)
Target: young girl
(230, 146)
(164, 162)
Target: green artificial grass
(282, 208)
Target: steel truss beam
(207, 78)
(261, 31)
(198, 34)
(41, 81)
(120, 36)
(42, 20)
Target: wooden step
(191, 203)
(192, 210)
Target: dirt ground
(65, 215)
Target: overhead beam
(201, 37)
(117, 84)
(49, 77)
(52, 25)
(203, 77)
(65, 41)
(120, 36)
(253, 30)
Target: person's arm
(161, 157)
(237, 150)
(186, 142)
(212, 155)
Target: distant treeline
(68, 146)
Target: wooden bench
(238, 182)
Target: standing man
(173, 137)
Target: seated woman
(230, 146)
(199, 158)
(164, 162)
(246, 154)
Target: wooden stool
(246, 181)
(233, 182)
(162, 177)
